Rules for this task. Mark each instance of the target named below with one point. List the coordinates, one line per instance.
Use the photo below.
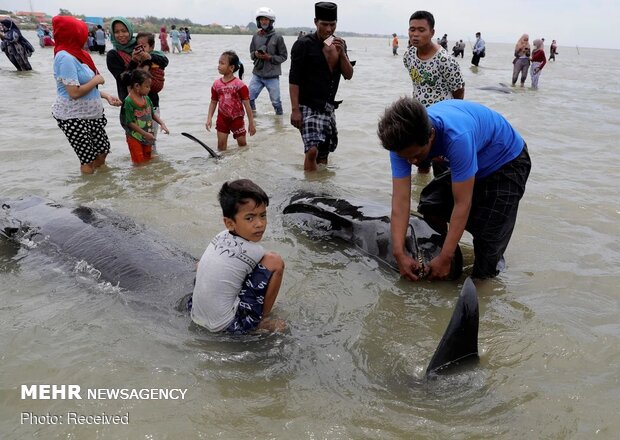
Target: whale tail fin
(460, 340)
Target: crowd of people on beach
(479, 161)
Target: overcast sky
(586, 23)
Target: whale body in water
(368, 228)
(157, 272)
(126, 254)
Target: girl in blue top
(489, 166)
(78, 108)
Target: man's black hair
(239, 192)
(404, 124)
(424, 15)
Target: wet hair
(233, 60)
(424, 15)
(135, 76)
(404, 124)
(150, 38)
(239, 192)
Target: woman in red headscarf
(78, 108)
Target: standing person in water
(538, 62)
(118, 58)
(521, 60)
(15, 46)
(479, 50)
(100, 39)
(230, 96)
(318, 60)
(175, 39)
(78, 109)
(268, 52)
(163, 40)
(127, 55)
(138, 115)
(394, 44)
(435, 75)
(155, 65)
(553, 50)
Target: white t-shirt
(434, 79)
(223, 267)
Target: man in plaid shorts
(489, 166)
(317, 62)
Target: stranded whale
(123, 252)
(368, 228)
(137, 260)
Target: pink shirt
(229, 96)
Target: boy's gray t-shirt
(223, 267)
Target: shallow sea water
(352, 363)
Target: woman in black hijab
(15, 46)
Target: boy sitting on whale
(237, 282)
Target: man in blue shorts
(489, 166)
(317, 62)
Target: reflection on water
(352, 363)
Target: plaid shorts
(493, 211)
(87, 137)
(251, 299)
(318, 129)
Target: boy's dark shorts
(251, 300)
(493, 212)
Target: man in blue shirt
(489, 166)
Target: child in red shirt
(232, 96)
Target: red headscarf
(70, 35)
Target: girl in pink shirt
(232, 96)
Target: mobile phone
(261, 51)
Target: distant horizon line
(354, 33)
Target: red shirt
(539, 56)
(229, 96)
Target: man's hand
(408, 267)
(438, 268)
(339, 44)
(296, 118)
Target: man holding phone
(318, 60)
(268, 52)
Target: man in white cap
(268, 52)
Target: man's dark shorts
(251, 300)
(493, 212)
